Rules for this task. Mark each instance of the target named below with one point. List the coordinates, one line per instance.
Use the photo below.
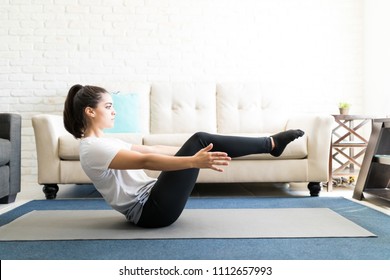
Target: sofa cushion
(242, 108)
(69, 147)
(183, 107)
(166, 139)
(5, 151)
(295, 150)
(4, 180)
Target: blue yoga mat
(193, 223)
(221, 249)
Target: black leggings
(169, 195)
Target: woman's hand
(206, 159)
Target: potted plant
(344, 108)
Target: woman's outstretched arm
(157, 149)
(132, 159)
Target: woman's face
(104, 114)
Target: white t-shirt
(125, 190)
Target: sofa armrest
(47, 130)
(318, 129)
(10, 129)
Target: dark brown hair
(80, 97)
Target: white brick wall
(307, 51)
(377, 57)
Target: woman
(115, 167)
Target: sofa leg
(8, 199)
(314, 188)
(50, 191)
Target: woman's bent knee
(202, 137)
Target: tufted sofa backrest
(243, 108)
(187, 107)
(183, 107)
(239, 108)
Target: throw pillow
(126, 106)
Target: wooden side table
(374, 177)
(348, 145)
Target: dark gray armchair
(10, 156)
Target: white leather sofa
(168, 113)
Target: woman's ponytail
(70, 118)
